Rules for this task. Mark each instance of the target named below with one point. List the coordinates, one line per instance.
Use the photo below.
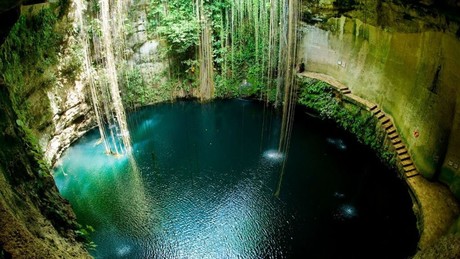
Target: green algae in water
(206, 182)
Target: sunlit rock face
(62, 112)
(59, 111)
(144, 51)
(71, 107)
(72, 117)
(406, 60)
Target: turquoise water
(205, 185)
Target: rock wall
(72, 116)
(35, 222)
(143, 50)
(60, 111)
(68, 100)
(411, 73)
(146, 57)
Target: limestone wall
(35, 222)
(143, 49)
(64, 111)
(413, 76)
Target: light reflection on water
(205, 186)
(273, 155)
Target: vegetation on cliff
(321, 98)
(28, 64)
(247, 41)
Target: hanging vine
(100, 56)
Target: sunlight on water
(337, 143)
(273, 155)
(346, 211)
(123, 250)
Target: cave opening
(229, 128)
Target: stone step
(387, 125)
(392, 135)
(407, 162)
(346, 92)
(409, 168)
(343, 88)
(404, 157)
(385, 120)
(380, 115)
(373, 107)
(401, 151)
(396, 141)
(391, 130)
(399, 146)
(411, 173)
(375, 111)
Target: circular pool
(206, 182)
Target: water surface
(206, 182)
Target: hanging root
(114, 154)
(98, 142)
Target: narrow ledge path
(434, 205)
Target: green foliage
(138, 92)
(72, 64)
(32, 146)
(225, 87)
(30, 48)
(64, 6)
(238, 54)
(320, 96)
(175, 20)
(135, 89)
(29, 51)
(241, 49)
(84, 235)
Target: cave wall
(59, 110)
(35, 222)
(411, 70)
(143, 50)
(62, 111)
(46, 88)
(402, 57)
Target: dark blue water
(205, 185)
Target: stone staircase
(434, 204)
(344, 90)
(404, 159)
(405, 163)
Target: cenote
(206, 182)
